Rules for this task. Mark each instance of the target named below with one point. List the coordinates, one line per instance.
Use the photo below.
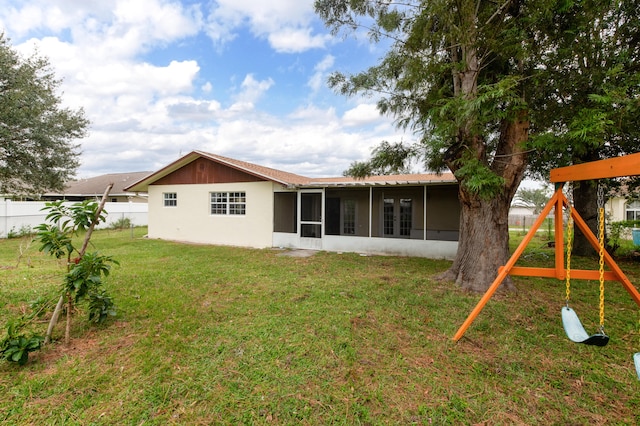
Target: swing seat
(576, 332)
(636, 360)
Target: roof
(291, 179)
(385, 180)
(275, 175)
(97, 185)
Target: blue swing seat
(576, 332)
(636, 360)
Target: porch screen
(285, 209)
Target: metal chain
(600, 196)
(569, 245)
(569, 248)
(601, 252)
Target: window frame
(349, 215)
(168, 201)
(228, 203)
(632, 208)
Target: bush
(122, 223)
(24, 231)
(16, 345)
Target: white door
(396, 217)
(311, 220)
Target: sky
(240, 78)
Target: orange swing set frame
(628, 165)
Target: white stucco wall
(431, 249)
(191, 220)
(616, 209)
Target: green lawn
(222, 335)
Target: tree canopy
(37, 152)
(482, 85)
(457, 74)
(588, 106)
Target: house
(622, 206)
(208, 198)
(93, 188)
(619, 206)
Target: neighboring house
(207, 198)
(617, 208)
(93, 189)
(620, 208)
(521, 210)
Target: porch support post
(370, 210)
(323, 213)
(424, 216)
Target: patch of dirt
(298, 253)
(83, 347)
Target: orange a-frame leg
(558, 201)
(593, 240)
(504, 271)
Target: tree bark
(484, 223)
(67, 329)
(483, 245)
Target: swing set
(628, 165)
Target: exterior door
(396, 217)
(311, 220)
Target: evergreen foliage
(490, 89)
(37, 153)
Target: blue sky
(241, 78)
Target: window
(170, 199)
(633, 210)
(349, 217)
(228, 203)
(219, 202)
(237, 203)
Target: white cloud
(151, 21)
(294, 40)
(313, 114)
(146, 111)
(251, 91)
(317, 80)
(361, 115)
(286, 24)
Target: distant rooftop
(96, 185)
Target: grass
(223, 335)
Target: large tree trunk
(483, 245)
(484, 223)
(585, 201)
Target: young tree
(459, 74)
(83, 280)
(36, 132)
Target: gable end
(202, 170)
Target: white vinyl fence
(16, 217)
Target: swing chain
(569, 248)
(601, 252)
